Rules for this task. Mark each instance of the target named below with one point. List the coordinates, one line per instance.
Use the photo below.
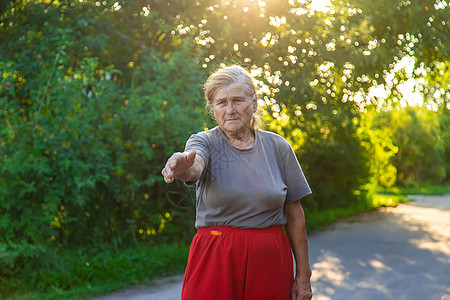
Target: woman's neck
(241, 140)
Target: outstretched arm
(186, 166)
(296, 233)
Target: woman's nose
(231, 108)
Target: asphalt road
(394, 253)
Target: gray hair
(227, 76)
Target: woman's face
(233, 108)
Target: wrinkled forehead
(234, 90)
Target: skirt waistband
(218, 230)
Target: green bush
(377, 140)
(83, 144)
(422, 142)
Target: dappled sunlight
(321, 297)
(379, 266)
(329, 269)
(321, 5)
(383, 254)
(373, 284)
(434, 223)
(330, 273)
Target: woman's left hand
(301, 289)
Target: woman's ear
(255, 104)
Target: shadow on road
(395, 253)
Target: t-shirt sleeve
(297, 185)
(199, 143)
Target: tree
(85, 132)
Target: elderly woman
(249, 184)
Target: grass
(321, 219)
(96, 272)
(416, 190)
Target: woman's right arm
(186, 166)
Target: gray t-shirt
(246, 188)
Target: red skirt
(227, 263)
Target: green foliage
(337, 168)
(83, 142)
(388, 200)
(444, 123)
(421, 156)
(380, 149)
